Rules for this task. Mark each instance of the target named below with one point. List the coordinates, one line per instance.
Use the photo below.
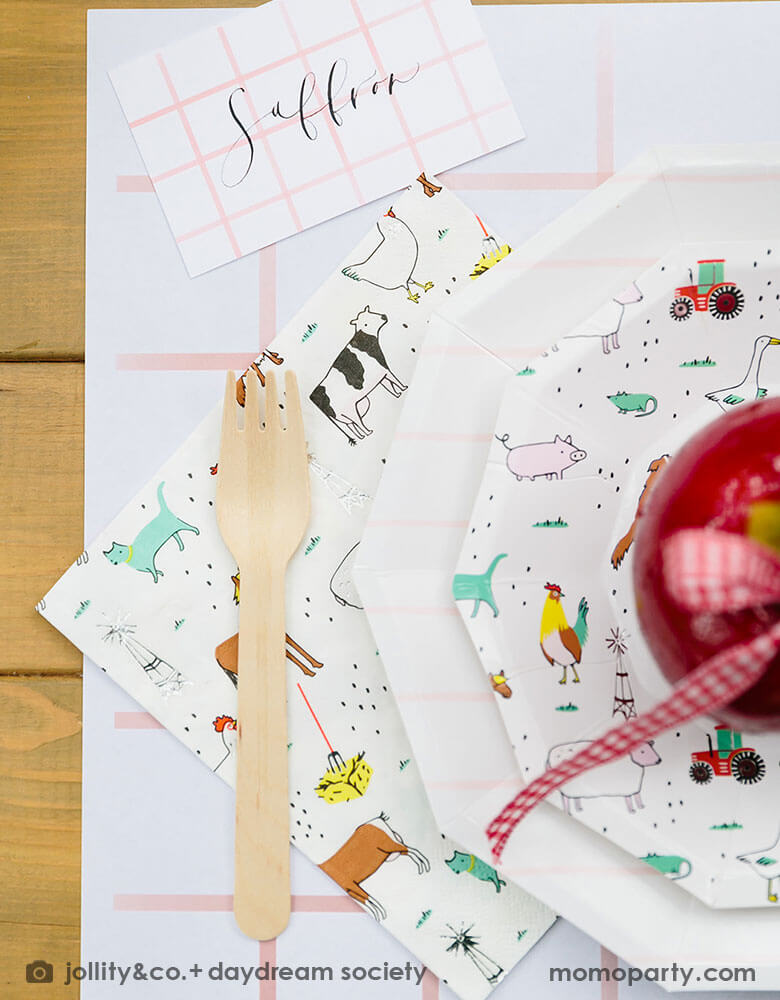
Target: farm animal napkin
(154, 602)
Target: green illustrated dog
(461, 862)
(671, 865)
(477, 587)
(150, 539)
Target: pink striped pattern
(332, 127)
(269, 67)
(412, 144)
(185, 362)
(269, 153)
(216, 903)
(267, 285)
(134, 184)
(605, 102)
(136, 720)
(267, 953)
(609, 987)
(473, 117)
(220, 208)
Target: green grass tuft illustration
(696, 363)
(309, 331)
(81, 609)
(404, 764)
(423, 917)
(314, 541)
(567, 708)
(526, 371)
(727, 826)
(557, 523)
(443, 233)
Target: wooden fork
(262, 512)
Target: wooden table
(42, 110)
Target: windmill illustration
(623, 702)
(348, 496)
(463, 940)
(168, 679)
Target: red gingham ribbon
(705, 571)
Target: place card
(294, 112)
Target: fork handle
(261, 902)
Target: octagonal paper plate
(543, 581)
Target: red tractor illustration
(722, 299)
(730, 759)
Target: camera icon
(40, 972)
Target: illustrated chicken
(391, 264)
(562, 645)
(227, 726)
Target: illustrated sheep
(619, 777)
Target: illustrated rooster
(227, 726)
(391, 264)
(562, 645)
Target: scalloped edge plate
(406, 559)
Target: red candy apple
(726, 477)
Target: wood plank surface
(42, 173)
(40, 831)
(41, 507)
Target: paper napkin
(154, 602)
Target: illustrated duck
(766, 863)
(749, 388)
(391, 263)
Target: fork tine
(272, 416)
(292, 406)
(252, 404)
(228, 413)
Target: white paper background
(140, 301)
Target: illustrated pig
(547, 458)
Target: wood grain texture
(40, 830)
(263, 507)
(41, 507)
(43, 135)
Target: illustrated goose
(765, 863)
(749, 388)
(391, 263)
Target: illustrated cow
(370, 846)
(343, 394)
(621, 777)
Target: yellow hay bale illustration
(345, 781)
(488, 260)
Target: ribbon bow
(704, 570)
